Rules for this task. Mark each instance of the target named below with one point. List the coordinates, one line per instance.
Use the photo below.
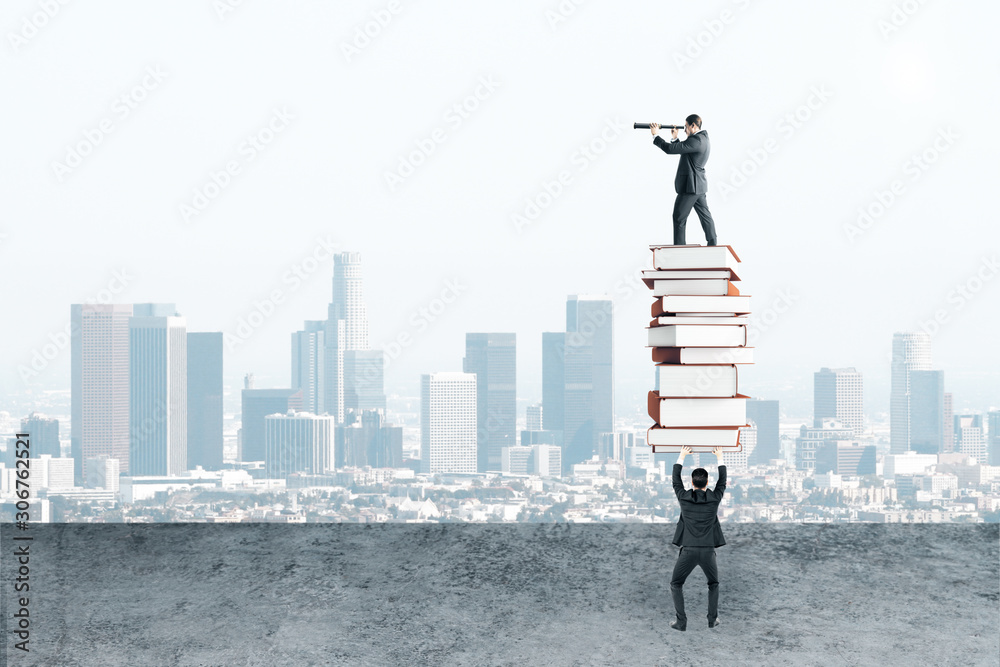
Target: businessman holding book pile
(698, 534)
(690, 183)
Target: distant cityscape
(147, 438)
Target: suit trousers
(682, 209)
(688, 558)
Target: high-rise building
(298, 442)
(157, 390)
(204, 400)
(491, 357)
(43, 433)
(99, 423)
(969, 436)
(547, 460)
(533, 417)
(927, 412)
(838, 394)
(993, 438)
(812, 440)
(308, 365)
(845, 458)
(346, 330)
(364, 384)
(516, 460)
(738, 461)
(910, 352)
(764, 414)
(102, 473)
(949, 423)
(553, 381)
(448, 433)
(365, 439)
(578, 377)
(256, 405)
(51, 473)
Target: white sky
(556, 88)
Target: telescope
(645, 126)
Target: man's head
(699, 478)
(692, 123)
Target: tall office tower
(739, 461)
(102, 473)
(910, 352)
(533, 417)
(346, 328)
(588, 368)
(52, 473)
(993, 438)
(99, 422)
(157, 390)
(297, 442)
(811, 441)
(491, 357)
(364, 383)
(837, 394)
(553, 381)
(969, 436)
(257, 404)
(927, 412)
(516, 460)
(308, 364)
(547, 460)
(204, 400)
(365, 439)
(44, 434)
(845, 458)
(949, 423)
(448, 422)
(765, 415)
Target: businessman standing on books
(698, 533)
(690, 183)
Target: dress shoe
(676, 625)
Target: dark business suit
(690, 183)
(698, 533)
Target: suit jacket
(691, 169)
(699, 523)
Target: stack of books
(698, 336)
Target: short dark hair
(694, 119)
(699, 477)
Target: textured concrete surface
(489, 594)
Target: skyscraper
(588, 374)
(44, 434)
(350, 381)
(157, 390)
(308, 364)
(492, 358)
(365, 439)
(553, 381)
(448, 423)
(204, 400)
(257, 404)
(298, 442)
(765, 415)
(837, 394)
(993, 441)
(910, 352)
(99, 344)
(364, 385)
(969, 436)
(927, 412)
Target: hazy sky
(202, 152)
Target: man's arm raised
(720, 486)
(678, 484)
